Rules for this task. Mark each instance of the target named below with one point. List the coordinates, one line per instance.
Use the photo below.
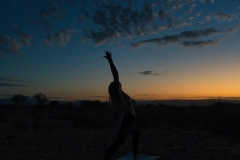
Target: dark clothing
(127, 127)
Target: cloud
(11, 85)
(198, 14)
(51, 10)
(147, 95)
(61, 38)
(155, 28)
(115, 21)
(48, 15)
(177, 6)
(191, 18)
(99, 96)
(25, 37)
(101, 36)
(223, 17)
(203, 1)
(220, 17)
(190, 9)
(208, 17)
(212, 1)
(199, 43)
(162, 13)
(179, 24)
(9, 45)
(118, 21)
(170, 22)
(178, 37)
(8, 81)
(86, 15)
(146, 73)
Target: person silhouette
(122, 102)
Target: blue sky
(163, 49)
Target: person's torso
(129, 109)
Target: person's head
(116, 99)
(114, 89)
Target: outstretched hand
(108, 55)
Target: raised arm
(113, 68)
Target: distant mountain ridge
(185, 103)
(32, 101)
(173, 102)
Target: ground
(65, 134)
(166, 142)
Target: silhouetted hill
(184, 103)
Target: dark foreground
(172, 133)
(169, 143)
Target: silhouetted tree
(19, 99)
(41, 98)
(53, 103)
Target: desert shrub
(19, 99)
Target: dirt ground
(166, 142)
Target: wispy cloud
(220, 17)
(100, 96)
(61, 38)
(223, 17)
(147, 95)
(50, 10)
(190, 9)
(203, 1)
(5, 79)
(11, 85)
(199, 43)
(147, 73)
(13, 82)
(24, 36)
(181, 38)
(177, 6)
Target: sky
(163, 49)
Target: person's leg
(135, 141)
(123, 132)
